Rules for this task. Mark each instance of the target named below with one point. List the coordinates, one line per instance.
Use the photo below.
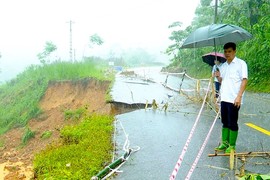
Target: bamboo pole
(257, 154)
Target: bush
(84, 149)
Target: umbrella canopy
(215, 34)
(210, 58)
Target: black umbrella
(210, 58)
(215, 34)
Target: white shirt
(232, 75)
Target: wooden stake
(232, 159)
(257, 154)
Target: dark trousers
(217, 87)
(229, 115)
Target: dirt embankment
(16, 160)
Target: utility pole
(74, 57)
(215, 18)
(70, 40)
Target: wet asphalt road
(162, 135)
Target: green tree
(95, 39)
(44, 57)
(252, 15)
(184, 58)
(177, 36)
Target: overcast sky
(26, 26)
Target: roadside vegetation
(84, 147)
(251, 15)
(83, 150)
(20, 96)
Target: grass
(84, 150)
(262, 86)
(76, 114)
(28, 134)
(20, 97)
(255, 176)
(46, 135)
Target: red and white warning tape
(181, 157)
(202, 148)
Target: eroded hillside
(60, 97)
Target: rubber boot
(225, 140)
(232, 141)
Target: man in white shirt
(233, 76)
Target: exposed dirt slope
(15, 160)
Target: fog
(122, 24)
